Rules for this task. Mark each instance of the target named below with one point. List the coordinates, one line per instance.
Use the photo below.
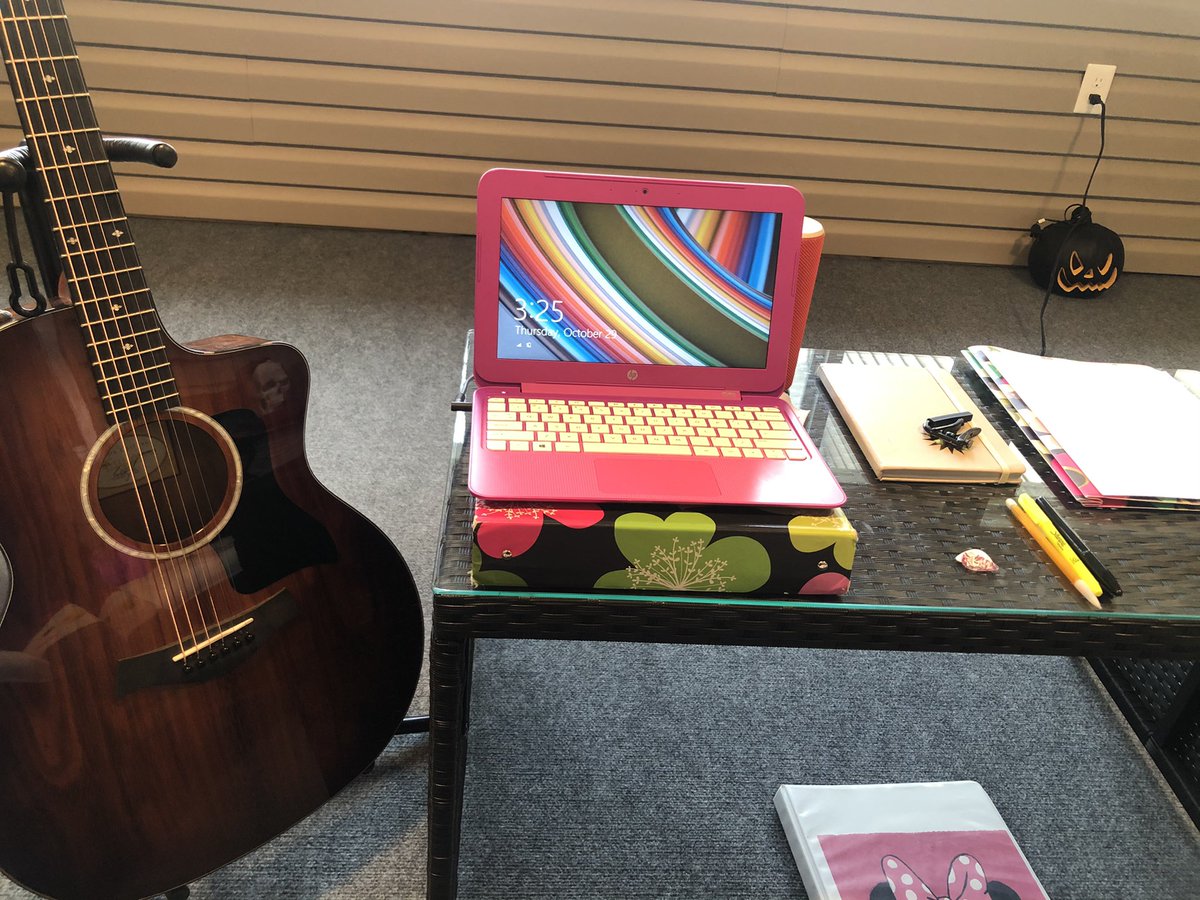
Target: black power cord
(1094, 99)
(1078, 214)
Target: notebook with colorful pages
(631, 343)
(884, 407)
(922, 841)
(989, 364)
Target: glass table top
(909, 533)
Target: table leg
(449, 688)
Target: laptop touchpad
(663, 479)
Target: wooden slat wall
(923, 129)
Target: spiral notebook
(884, 408)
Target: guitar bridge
(220, 642)
(237, 639)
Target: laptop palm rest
(672, 477)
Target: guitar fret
(104, 320)
(38, 134)
(31, 18)
(92, 182)
(133, 372)
(118, 296)
(38, 59)
(98, 249)
(144, 387)
(105, 275)
(74, 165)
(125, 337)
(80, 196)
(141, 405)
(102, 362)
(77, 225)
(50, 97)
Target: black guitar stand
(16, 165)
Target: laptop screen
(647, 285)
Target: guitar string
(30, 111)
(125, 292)
(201, 584)
(193, 528)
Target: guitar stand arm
(141, 150)
(15, 164)
(12, 169)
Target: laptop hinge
(628, 393)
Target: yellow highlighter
(1044, 542)
(1042, 521)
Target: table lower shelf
(1161, 701)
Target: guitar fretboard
(116, 311)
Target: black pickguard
(268, 537)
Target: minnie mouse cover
(931, 841)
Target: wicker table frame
(906, 533)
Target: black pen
(1097, 568)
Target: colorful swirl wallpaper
(593, 282)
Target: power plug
(1098, 80)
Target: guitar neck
(91, 231)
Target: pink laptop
(631, 343)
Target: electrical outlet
(1096, 80)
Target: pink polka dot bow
(964, 881)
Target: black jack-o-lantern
(1089, 256)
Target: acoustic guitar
(199, 644)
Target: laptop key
(640, 449)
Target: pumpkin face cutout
(1090, 257)
(1077, 276)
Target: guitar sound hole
(162, 487)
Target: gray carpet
(647, 771)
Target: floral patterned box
(662, 548)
